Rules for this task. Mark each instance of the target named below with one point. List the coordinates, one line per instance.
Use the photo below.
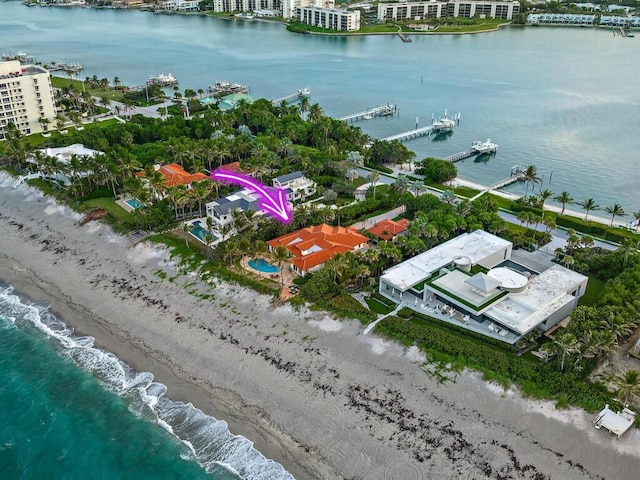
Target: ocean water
(72, 411)
(562, 99)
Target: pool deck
(288, 276)
(122, 202)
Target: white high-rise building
(26, 96)
(290, 7)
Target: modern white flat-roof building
(505, 9)
(26, 98)
(481, 289)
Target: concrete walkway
(372, 325)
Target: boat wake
(209, 440)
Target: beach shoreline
(312, 393)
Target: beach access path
(312, 392)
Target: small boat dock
(404, 38)
(517, 175)
(227, 88)
(444, 124)
(162, 79)
(294, 97)
(381, 111)
(64, 67)
(477, 148)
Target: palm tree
(530, 177)
(373, 177)
(628, 384)
(615, 211)
(564, 198)
(618, 326)
(544, 195)
(280, 255)
(566, 345)
(636, 217)
(589, 205)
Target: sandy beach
(313, 393)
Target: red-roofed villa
(389, 229)
(311, 247)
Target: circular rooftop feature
(462, 262)
(510, 279)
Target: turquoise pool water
(201, 234)
(134, 203)
(262, 266)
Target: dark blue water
(71, 411)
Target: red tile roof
(174, 175)
(313, 246)
(388, 229)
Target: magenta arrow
(274, 201)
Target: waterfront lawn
(120, 219)
(372, 28)
(377, 306)
(79, 85)
(486, 24)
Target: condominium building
(290, 7)
(26, 97)
(333, 19)
(505, 9)
(245, 5)
(179, 5)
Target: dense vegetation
(272, 140)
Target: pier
(404, 38)
(477, 148)
(65, 67)
(383, 111)
(410, 135)
(295, 97)
(517, 175)
(456, 157)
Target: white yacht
(484, 147)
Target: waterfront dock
(381, 111)
(410, 134)
(456, 157)
(517, 175)
(404, 38)
(477, 148)
(294, 97)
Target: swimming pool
(262, 266)
(134, 203)
(201, 234)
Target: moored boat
(484, 147)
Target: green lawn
(110, 93)
(595, 287)
(115, 211)
(38, 139)
(487, 24)
(377, 306)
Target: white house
(475, 285)
(221, 210)
(295, 185)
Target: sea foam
(212, 444)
